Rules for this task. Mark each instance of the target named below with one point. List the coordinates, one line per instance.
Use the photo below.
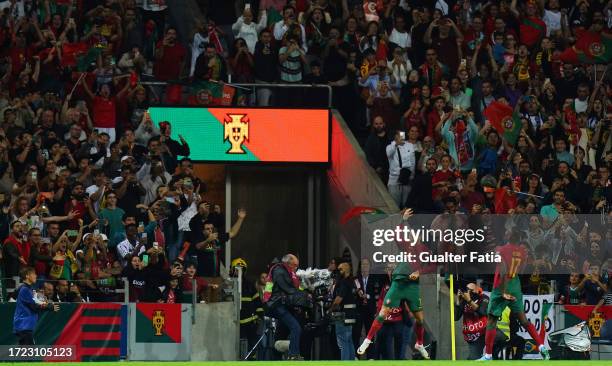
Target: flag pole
(451, 298)
(528, 194)
(77, 83)
(230, 84)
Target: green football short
(404, 290)
(497, 303)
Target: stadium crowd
(466, 106)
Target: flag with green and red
(590, 48)
(504, 120)
(357, 211)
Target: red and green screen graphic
(250, 135)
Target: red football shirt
(169, 66)
(514, 258)
(104, 112)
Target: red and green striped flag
(507, 123)
(98, 331)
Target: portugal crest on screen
(236, 131)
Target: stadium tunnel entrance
(296, 209)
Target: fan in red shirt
(187, 281)
(16, 253)
(104, 106)
(169, 57)
(442, 179)
(532, 28)
(77, 206)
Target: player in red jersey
(507, 293)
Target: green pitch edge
(344, 363)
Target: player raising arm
(404, 286)
(507, 292)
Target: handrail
(264, 85)
(286, 85)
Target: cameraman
(343, 311)
(285, 292)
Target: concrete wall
(214, 333)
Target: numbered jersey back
(514, 259)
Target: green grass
(337, 363)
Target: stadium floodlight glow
(248, 135)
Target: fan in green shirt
(111, 217)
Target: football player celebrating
(507, 292)
(404, 286)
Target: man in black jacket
(172, 147)
(421, 195)
(375, 148)
(284, 291)
(266, 66)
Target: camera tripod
(268, 326)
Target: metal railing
(9, 286)
(251, 87)
(285, 85)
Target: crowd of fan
(92, 189)
(80, 154)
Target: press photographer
(471, 305)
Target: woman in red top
(414, 115)
(241, 62)
(104, 106)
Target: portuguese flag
(72, 51)
(212, 93)
(590, 48)
(504, 120)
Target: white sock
(488, 355)
(540, 347)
